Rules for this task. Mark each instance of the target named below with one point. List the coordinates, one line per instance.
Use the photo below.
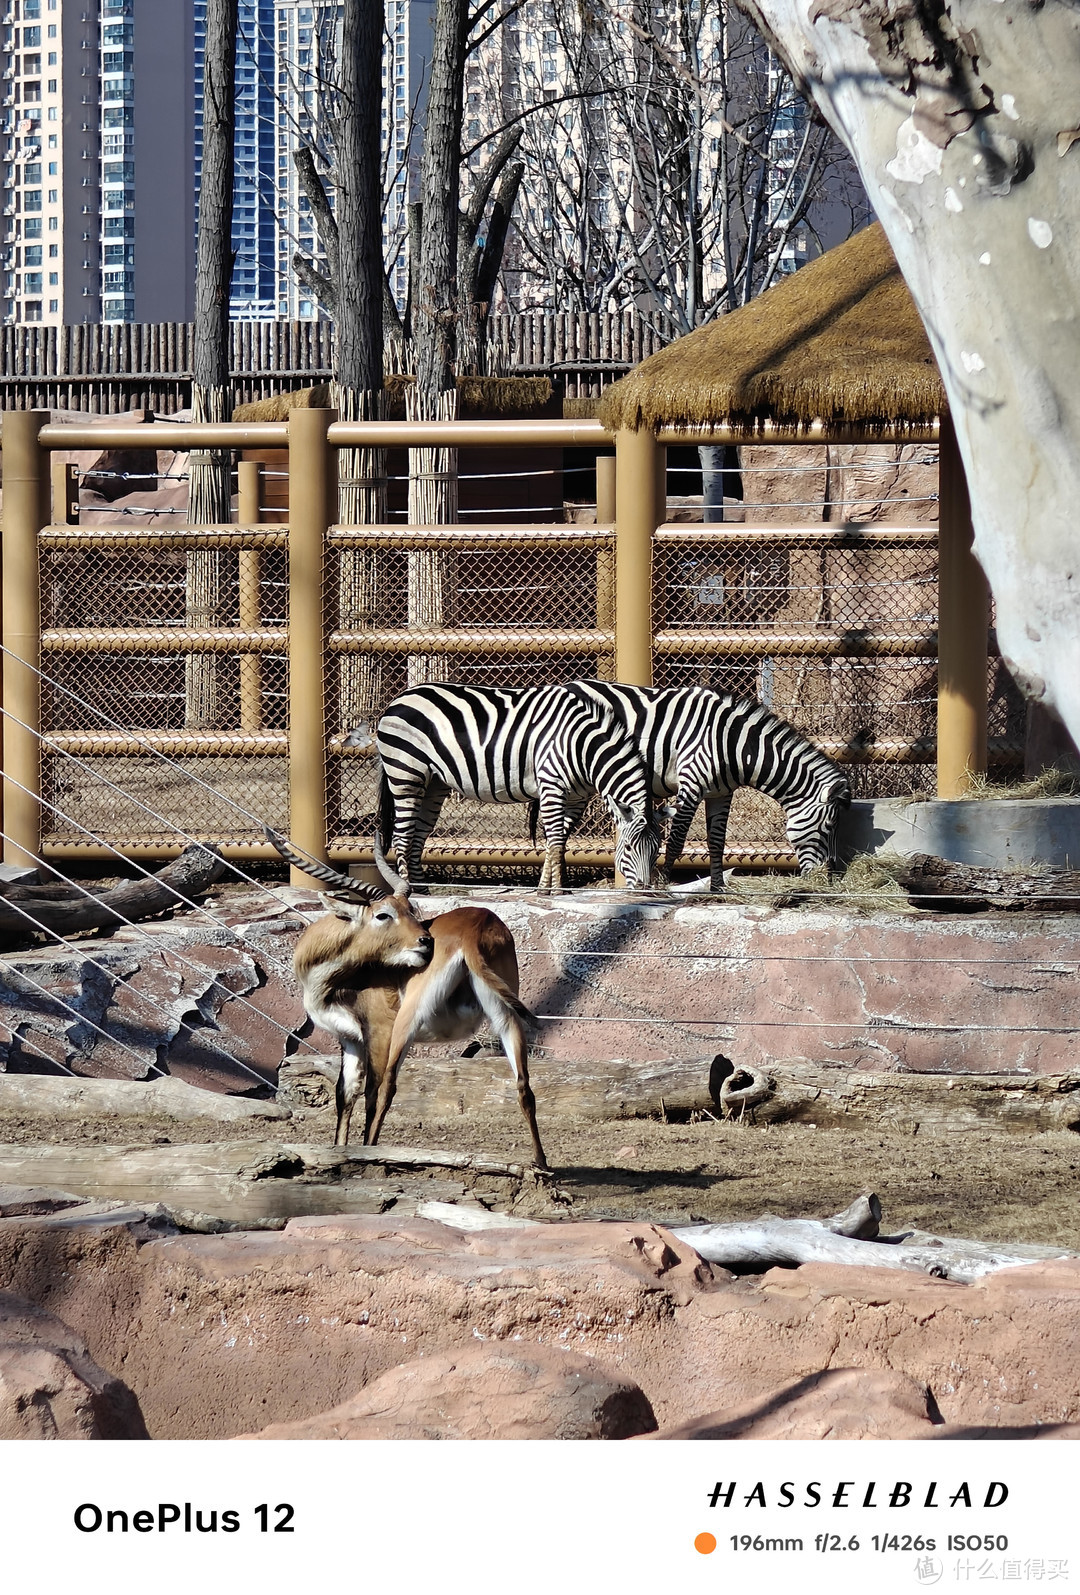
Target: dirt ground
(976, 1183)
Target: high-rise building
(254, 225)
(97, 125)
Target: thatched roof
(479, 398)
(838, 341)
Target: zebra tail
(534, 818)
(384, 823)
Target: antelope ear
(340, 907)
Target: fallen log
(65, 911)
(969, 889)
(852, 1237)
(61, 1098)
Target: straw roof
(478, 397)
(838, 341)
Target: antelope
(380, 980)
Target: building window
(54, 279)
(32, 256)
(52, 196)
(54, 306)
(32, 282)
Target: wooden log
(59, 1098)
(770, 1242)
(25, 909)
(967, 889)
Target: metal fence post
(963, 616)
(26, 496)
(605, 560)
(637, 462)
(249, 484)
(309, 517)
(65, 494)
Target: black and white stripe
(701, 743)
(556, 745)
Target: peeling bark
(963, 119)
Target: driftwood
(262, 1184)
(743, 1089)
(61, 908)
(59, 1098)
(826, 1095)
(853, 1237)
(965, 889)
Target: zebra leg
(424, 822)
(717, 809)
(685, 810)
(553, 812)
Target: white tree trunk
(433, 501)
(965, 123)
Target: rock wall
(225, 1335)
(623, 988)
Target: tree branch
(315, 193)
(317, 281)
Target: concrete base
(996, 834)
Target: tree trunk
(433, 501)
(357, 390)
(434, 303)
(967, 144)
(210, 483)
(433, 498)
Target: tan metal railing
(613, 573)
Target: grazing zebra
(554, 744)
(702, 743)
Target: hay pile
(838, 341)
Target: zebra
(701, 743)
(554, 745)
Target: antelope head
(380, 910)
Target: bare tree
(210, 485)
(675, 166)
(963, 117)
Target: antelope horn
(358, 891)
(400, 886)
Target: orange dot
(705, 1543)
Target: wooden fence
(122, 366)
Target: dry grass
(867, 885)
(840, 340)
(1047, 784)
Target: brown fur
(452, 973)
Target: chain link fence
(165, 653)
